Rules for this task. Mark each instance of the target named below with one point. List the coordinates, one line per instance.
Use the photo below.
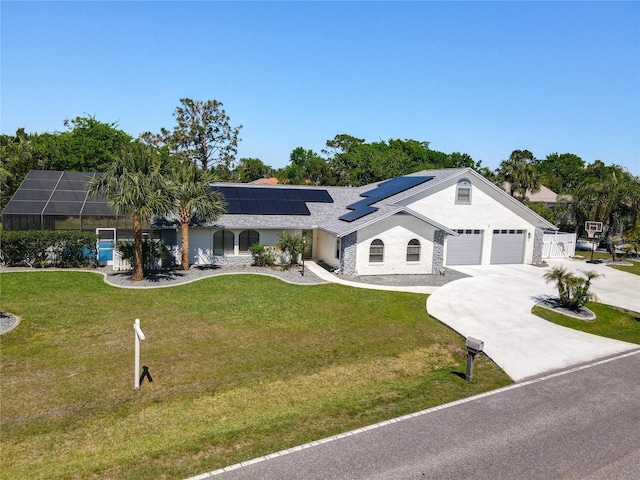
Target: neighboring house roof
(265, 181)
(543, 195)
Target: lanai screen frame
(59, 200)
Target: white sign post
(138, 336)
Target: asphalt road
(576, 425)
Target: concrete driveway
(495, 303)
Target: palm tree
(194, 200)
(137, 183)
(560, 276)
(518, 170)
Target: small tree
(291, 246)
(573, 290)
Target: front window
(376, 251)
(413, 251)
(223, 243)
(247, 239)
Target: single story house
(413, 224)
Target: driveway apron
(495, 303)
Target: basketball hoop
(593, 228)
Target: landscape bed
(242, 366)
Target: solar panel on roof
(386, 189)
(300, 208)
(268, 207)
(246, 194)
(262, 194)
(356, 214)
(249, 207)
(233, 206)
(323, 196)
(278, 194)
(308, 195)
(293, 195)
(283, 207)
(271, 200)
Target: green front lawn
(242, 366)
(610, 322)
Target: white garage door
(507, 246)
(465, 249)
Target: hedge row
(40, 248)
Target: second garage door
(465, 249)
(507, 246)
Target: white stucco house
(415, 224)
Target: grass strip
(610, 322)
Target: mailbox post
(474, 346)
(138, 335)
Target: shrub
(291, 246)
(263, 255)
(572, 290)
(39, 248)
(153, 251)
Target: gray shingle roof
(325, 216)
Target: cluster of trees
(599, 192)
(169, 171)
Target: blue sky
(483, 78)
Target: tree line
(204, 137)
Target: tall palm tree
(518, 170)
(136, 183)
(195, 200)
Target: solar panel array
(271, 201)
(65, 193)
(56, 193)
(384, 190)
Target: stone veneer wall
(438, 253)
(348, 248)
(538, 245)
(232, 260)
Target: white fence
(559, 245)
(120, 264)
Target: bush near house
(263, 255)
(41, 248)
(154, 251)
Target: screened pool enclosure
(51, 200)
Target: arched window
(223, 242)
(247, 239)
(463, 192)
(413, 251)
(376, 251)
